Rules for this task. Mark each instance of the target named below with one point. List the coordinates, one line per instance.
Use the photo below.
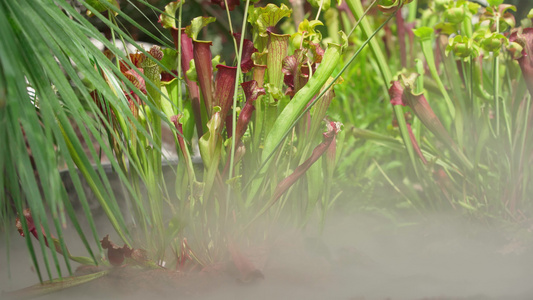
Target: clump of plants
(268, 149)
(463, 110)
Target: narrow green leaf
(48, 287)
(301, 99)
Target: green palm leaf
(59, 64)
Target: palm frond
(61, 67)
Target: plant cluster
(466, 127)
(268, 150)
(256, 121)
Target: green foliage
(168, 19)
(197, 24)
(482, 93)
(323, 4)
(267, 124)
(38, 53)
(424, 33)
(123, 102)
(263, 17)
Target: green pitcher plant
(467, 112)
(254, 141)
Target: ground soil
(359, 256)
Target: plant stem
(495, 83)
(180, 98)
(495, 80)
(86, 171)
(357, 9)
(427, 49)
(231, 29)
(298, 11)
(411, 16)
(319, 9)
(235, 96)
